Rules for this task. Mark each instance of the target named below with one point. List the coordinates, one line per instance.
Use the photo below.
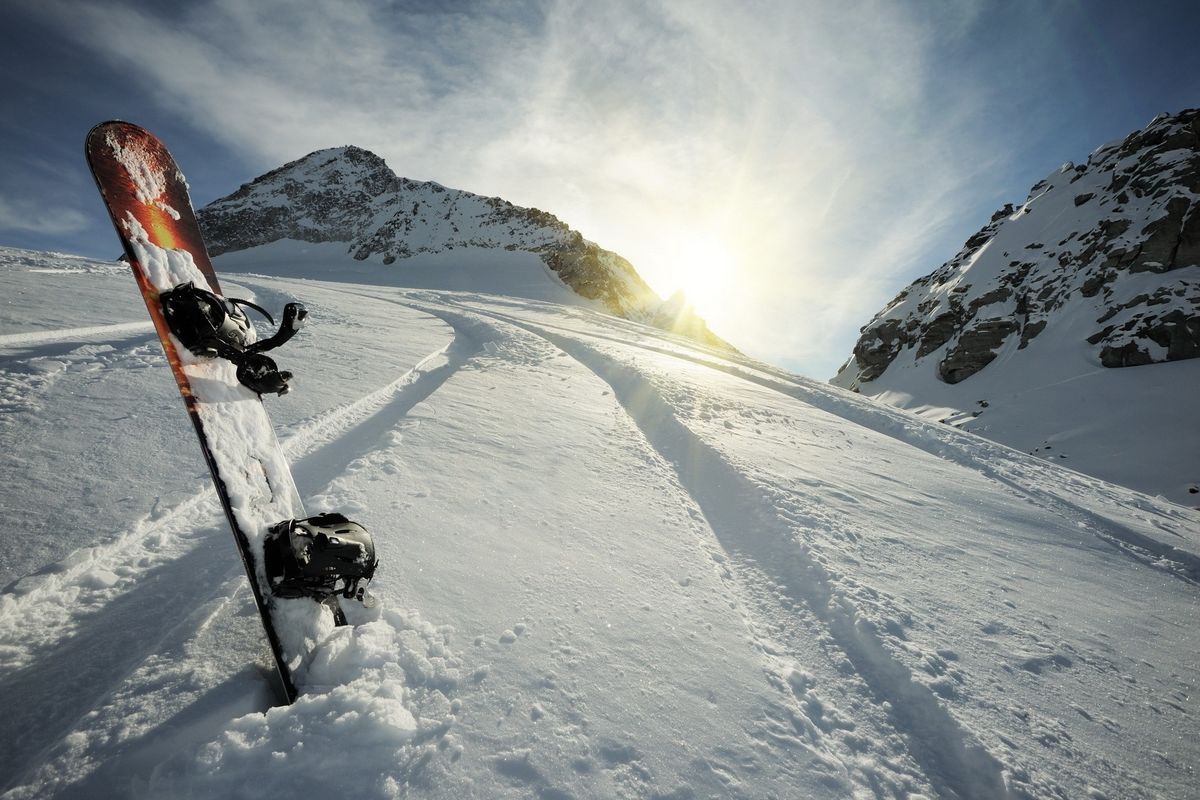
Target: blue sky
(791, 164)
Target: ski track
(49, 695)
(807, 722)
(45, 761)
(950, 756)
(55, 671)
(986, 457)
(28, 371)
(33, 338)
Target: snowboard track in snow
(952, 759)
(981, 455)
(950, 755)
(73, 662)
(119, 330)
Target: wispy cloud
(819, 142)
(35, 217)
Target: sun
(703, 266)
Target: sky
(791, 165)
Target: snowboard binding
(213, 326)
(320, 557)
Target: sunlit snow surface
(612, 565)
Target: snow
(1054, 400)
(612, 564)
(149, 180)
(513, 273)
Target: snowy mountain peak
(349, 195)
(356, 170)
(1098, 268)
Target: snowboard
(147, 198)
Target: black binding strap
(203, 323)
(239, 301)
(294, 315)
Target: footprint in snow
(510, 635)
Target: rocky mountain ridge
(349, 195)
(1107, 251)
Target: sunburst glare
(703, 266)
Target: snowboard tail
(148, 201)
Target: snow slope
(613, 564)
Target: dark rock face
(975, 349)
(874, 353)
(1177, 332)
(1030, 331)
(1127, 355)
(587, 269)
(940, 330)
(1117, 238)
(1163, 237)
(349, 195)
